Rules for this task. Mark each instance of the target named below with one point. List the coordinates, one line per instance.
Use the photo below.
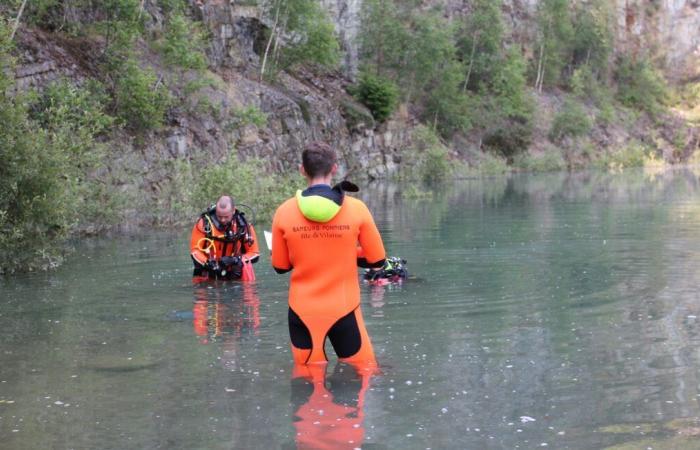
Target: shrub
(571, 121)
(492, 165)
(639, 85)
(378, 94)
(249, 182)
(633, 155)
(549, 161)
(508, 137)
(182, 43)
(140, 99)
(49, 152)
(250, 115)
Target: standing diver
(316, 235)
(223, 243)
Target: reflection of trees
(581, 283)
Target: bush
(140, 99)
(427, 159)
(639, 85)
(50, 159)
(572, 121)
(633, 155)
(182, 43)
(378, 94)
(549, 161)
(508, 138)
(250, 115)
(492, 165)
(74, 118)
(249, 183)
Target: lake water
(558, 311)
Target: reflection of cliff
(568, 298)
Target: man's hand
(228, 261)
(212, 266)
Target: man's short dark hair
(318, 159)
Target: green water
(558, 311)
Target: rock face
(346, 15)
(672, 25)
(309, 106)
(298, 109)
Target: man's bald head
(224, 209)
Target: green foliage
(479, 42)
(633, 155)
(510, 88)
(312, 39)
(378, 94)
(33, 213)
(140, 99)
(553, 46)
(593, 35)
(549, 161)
(383, 37)
(49, 155)
(250, 115)
(640, 86)
(121, 22)
(182, 43)
(249, 182)
(448, 104)
(427, 159)
(508, 137)
(571, 121)
(190, 189)
(492, 165)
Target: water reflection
(557, 310)
(220, 316)
(329, 409)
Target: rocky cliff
(308, 106)
(298, 109)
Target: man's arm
(280, 252)
(199, 257)
(252, 252)
(371, 250)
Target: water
(558, 311)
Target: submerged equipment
(393, 271)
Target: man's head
(318, 160)
(225, 209)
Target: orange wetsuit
(211, 241)
(317, 234)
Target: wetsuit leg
(348, 336)
(350, 339)
(300, 336)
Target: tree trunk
(471, 62)
(269, 43)
(540, 66)
(19, 16)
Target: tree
(301, 33)
(556, 31)
(479, 42)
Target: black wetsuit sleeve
(281, 271)
(362, 262)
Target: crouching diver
(223, 244)
(315, 235)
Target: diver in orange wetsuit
(223, 244)
(316, 236)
